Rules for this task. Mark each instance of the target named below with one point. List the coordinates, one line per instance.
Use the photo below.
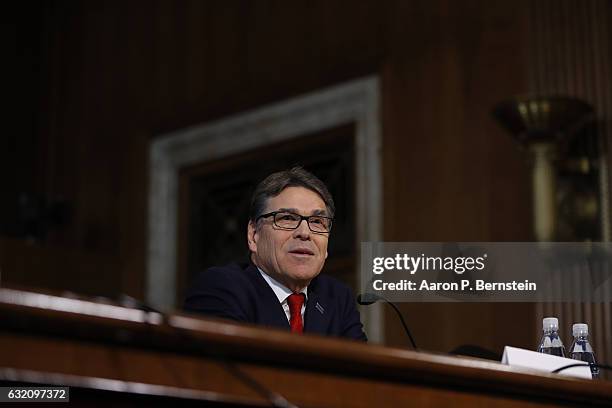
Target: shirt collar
(281, 291)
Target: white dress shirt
(282, 293)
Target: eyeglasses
(290, 221)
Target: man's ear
(252, 236)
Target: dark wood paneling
(451, 173)
(117, 74)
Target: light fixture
(544, 125)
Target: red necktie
(296, 300)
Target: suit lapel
(271, 312)
(318, 313)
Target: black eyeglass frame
(302, 218)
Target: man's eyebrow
(293, 210)
(296, 211)
(319, 212)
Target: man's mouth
(301, 252)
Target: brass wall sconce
(559, 134)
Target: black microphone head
(365, 299)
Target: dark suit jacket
(240, 293)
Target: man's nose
(302, 231)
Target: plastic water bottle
(581, 348)
(551, 343)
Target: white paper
(517, 357)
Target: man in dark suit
(290, 221)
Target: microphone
(366, 299)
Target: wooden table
(120, 356)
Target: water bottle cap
(550, 323)
(580, 329)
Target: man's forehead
(299, 200)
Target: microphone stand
(367, 299)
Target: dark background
(89, 84)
